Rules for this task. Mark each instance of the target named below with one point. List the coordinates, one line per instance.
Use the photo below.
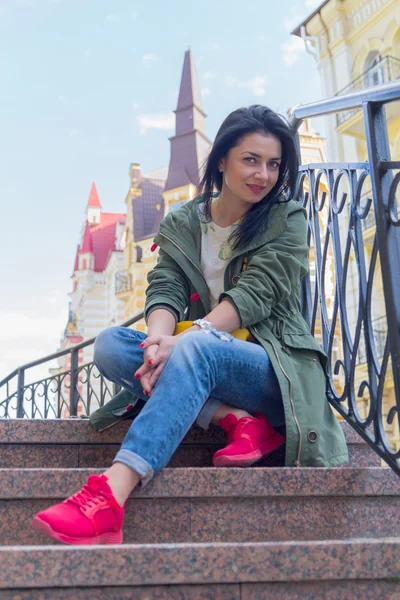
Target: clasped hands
(157, 349)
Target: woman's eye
(274, 165)
(250, 159)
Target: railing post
(20, 393)
(388, 236)
(73, 392)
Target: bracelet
(205, 325)
(208, 328)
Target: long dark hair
(240, 122)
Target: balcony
(384, 70)
(123, 282)
(379, 332)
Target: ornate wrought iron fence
(368, 396)
(338, 302)
(75, 390)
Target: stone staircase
(197, 532)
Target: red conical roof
(87, 242)
(94, 197)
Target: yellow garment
(239, 334)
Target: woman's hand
(157, 349)
(148, 359)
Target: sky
(88, 87)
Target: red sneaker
(91, 516)
(249, 440)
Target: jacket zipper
(297, 461)
(184, 253)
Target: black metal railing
(383, 71)
(78, 389)
(123, 282)
(361, 271)
(334, 191)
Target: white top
(215, 255)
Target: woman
(228, 260)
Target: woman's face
(251, 169)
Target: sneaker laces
(89, 495)
(238, 430)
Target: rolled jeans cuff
(137, 463)
(207, 412)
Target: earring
(220, 170)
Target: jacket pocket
(307, 343)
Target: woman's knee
(112, 346)
(105, 348)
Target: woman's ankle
(122, 480)
(226, 409)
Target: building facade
(93, 302)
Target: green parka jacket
(267, 298)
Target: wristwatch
(203, 324)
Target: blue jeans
(202, 372)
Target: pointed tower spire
(94, 196)
(189, 92)
(93, 209)
(71, 328)
(190, 144)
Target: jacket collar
(183, 228)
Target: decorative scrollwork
(353, 320)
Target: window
(373, 69)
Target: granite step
(313, 590)
(71, 443)
(221, 505)
(253, 571)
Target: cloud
(214, 45)
(112, 18)
(27, 337)
(312, 3)
(209, 75)
(162, 121)
(61, 99)
(257, 85)
(73, 132)
(291, 50)
(134, 15)
(205, 92)
(135, 106)
(148, 59)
